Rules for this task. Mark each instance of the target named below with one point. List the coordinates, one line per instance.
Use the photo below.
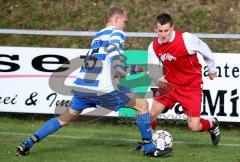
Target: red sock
(154, 124)
(205, 124)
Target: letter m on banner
(212, 107)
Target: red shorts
(188, 96)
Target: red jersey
(180, 67)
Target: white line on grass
(113, 139)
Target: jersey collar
(111, 27)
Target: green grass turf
(104, 142)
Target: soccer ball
(163, 139)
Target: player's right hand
(212, 75)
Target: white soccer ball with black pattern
(163, 139)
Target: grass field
(196, 16)
(104, 142)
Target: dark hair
(112, 10)
(163, 19)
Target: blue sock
(144, 125)
(47, 128)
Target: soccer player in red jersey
(182, 75)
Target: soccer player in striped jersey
(96, 85)
(177, 52)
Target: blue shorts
(112, 101)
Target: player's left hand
(212, 75)
(119, 72)
(136, 69)
(140, 69)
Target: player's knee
(145, 106)
(142, 106)
(63, 123)
(68, 116)
(152, 115)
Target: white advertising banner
(221, 95)
(25, 85)
(24, 79)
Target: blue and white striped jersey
(106, 45)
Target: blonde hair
(113, 10)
